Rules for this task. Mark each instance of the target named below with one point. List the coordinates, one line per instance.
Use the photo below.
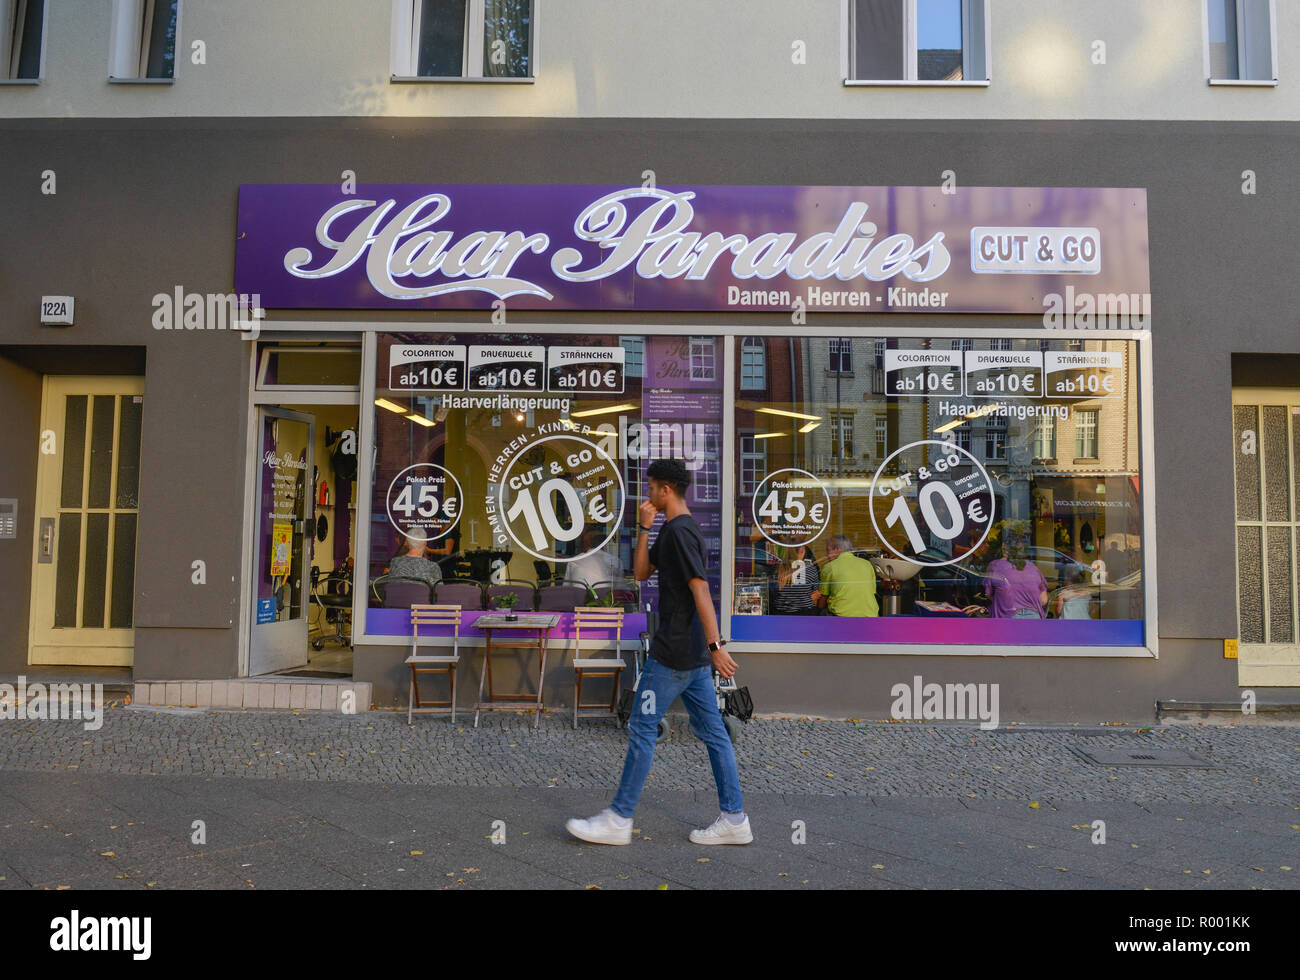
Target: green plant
(506, 601)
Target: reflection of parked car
(1121, 599)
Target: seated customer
(597, 566)
(1015, 584)
(848, 583)
(797, 579)
(413, 564)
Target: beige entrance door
(87, 505)
(1266, 434)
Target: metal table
(540, 624)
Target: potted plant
(507, 602)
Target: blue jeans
(695, 688)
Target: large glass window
(514, 465)
(917, 40)
(933, 536)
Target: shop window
(840, 355)
(932, 41)
(704, 361)
(144, 36)
(1240, 41)
(23, 25)
(753, 364)
(470, 39)
(528, 475)
(964, 509)
(1085, 435)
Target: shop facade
(842, 350)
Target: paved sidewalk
(320, 800)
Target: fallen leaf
(592, 888)
(1286, 867)
(1256, 869)
(469, 871)
(107, 854)
(1062, 869)
(879, 867)
(1033, 805)
(416, 852)
(661, 888)
(701, 860)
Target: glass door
(283, 545)
(87, 489)
(1266, 434)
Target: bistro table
(541, 625)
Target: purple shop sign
(603, 247)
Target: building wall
(672, 59)
(146, 205)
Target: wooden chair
(607, 619)
(433, 663)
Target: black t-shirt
(678, 554)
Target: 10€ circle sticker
(424, 500)
(949, 503)
(791, 507)
(554, 496)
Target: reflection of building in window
(753, 364)
(879, 349)
(962, 432)
(963, 345)
(634, 358)
(882, 437)
(703, 359)
(1085, 434)
(841, 354)
(1000, 343)
(842, 434)
(1045, 437)
(995, 438)
(753, 463)
(1074, 343)
(707, 480)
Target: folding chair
(424, 615)
(604, 618)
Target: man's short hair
(842, 542)
(670, 472)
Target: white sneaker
(722, 831)
(601, 829)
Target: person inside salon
(595, 565)
(848, 583)
(797, 579)
(413, 563)
(1015, 586)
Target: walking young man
(685, 649)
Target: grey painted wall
(145, 205)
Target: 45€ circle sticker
(949, 503)
(424, 500)
(791, 507)
(571, 485)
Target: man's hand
(723, 663)
(646, 513)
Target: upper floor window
(144, 39)
(841, 354)
(1239, 43)
(633, 356)
(918, 41)
(1085, 434)
(703, 359)
(462, 39)
(23, 26)
(753, 364)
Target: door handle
(46, 555)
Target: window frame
(14, 12)
(1094, 417)
(1251, 24)
(970, 46)
(753, 354)
(130, 34)
(404, 52)
(840, 349)
(697, 341)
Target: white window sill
(1247, 82)
(459, 80)
(140, 81)
(20, 81)
(913, 83)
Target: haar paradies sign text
(579, 247)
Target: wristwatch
(715, 647)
